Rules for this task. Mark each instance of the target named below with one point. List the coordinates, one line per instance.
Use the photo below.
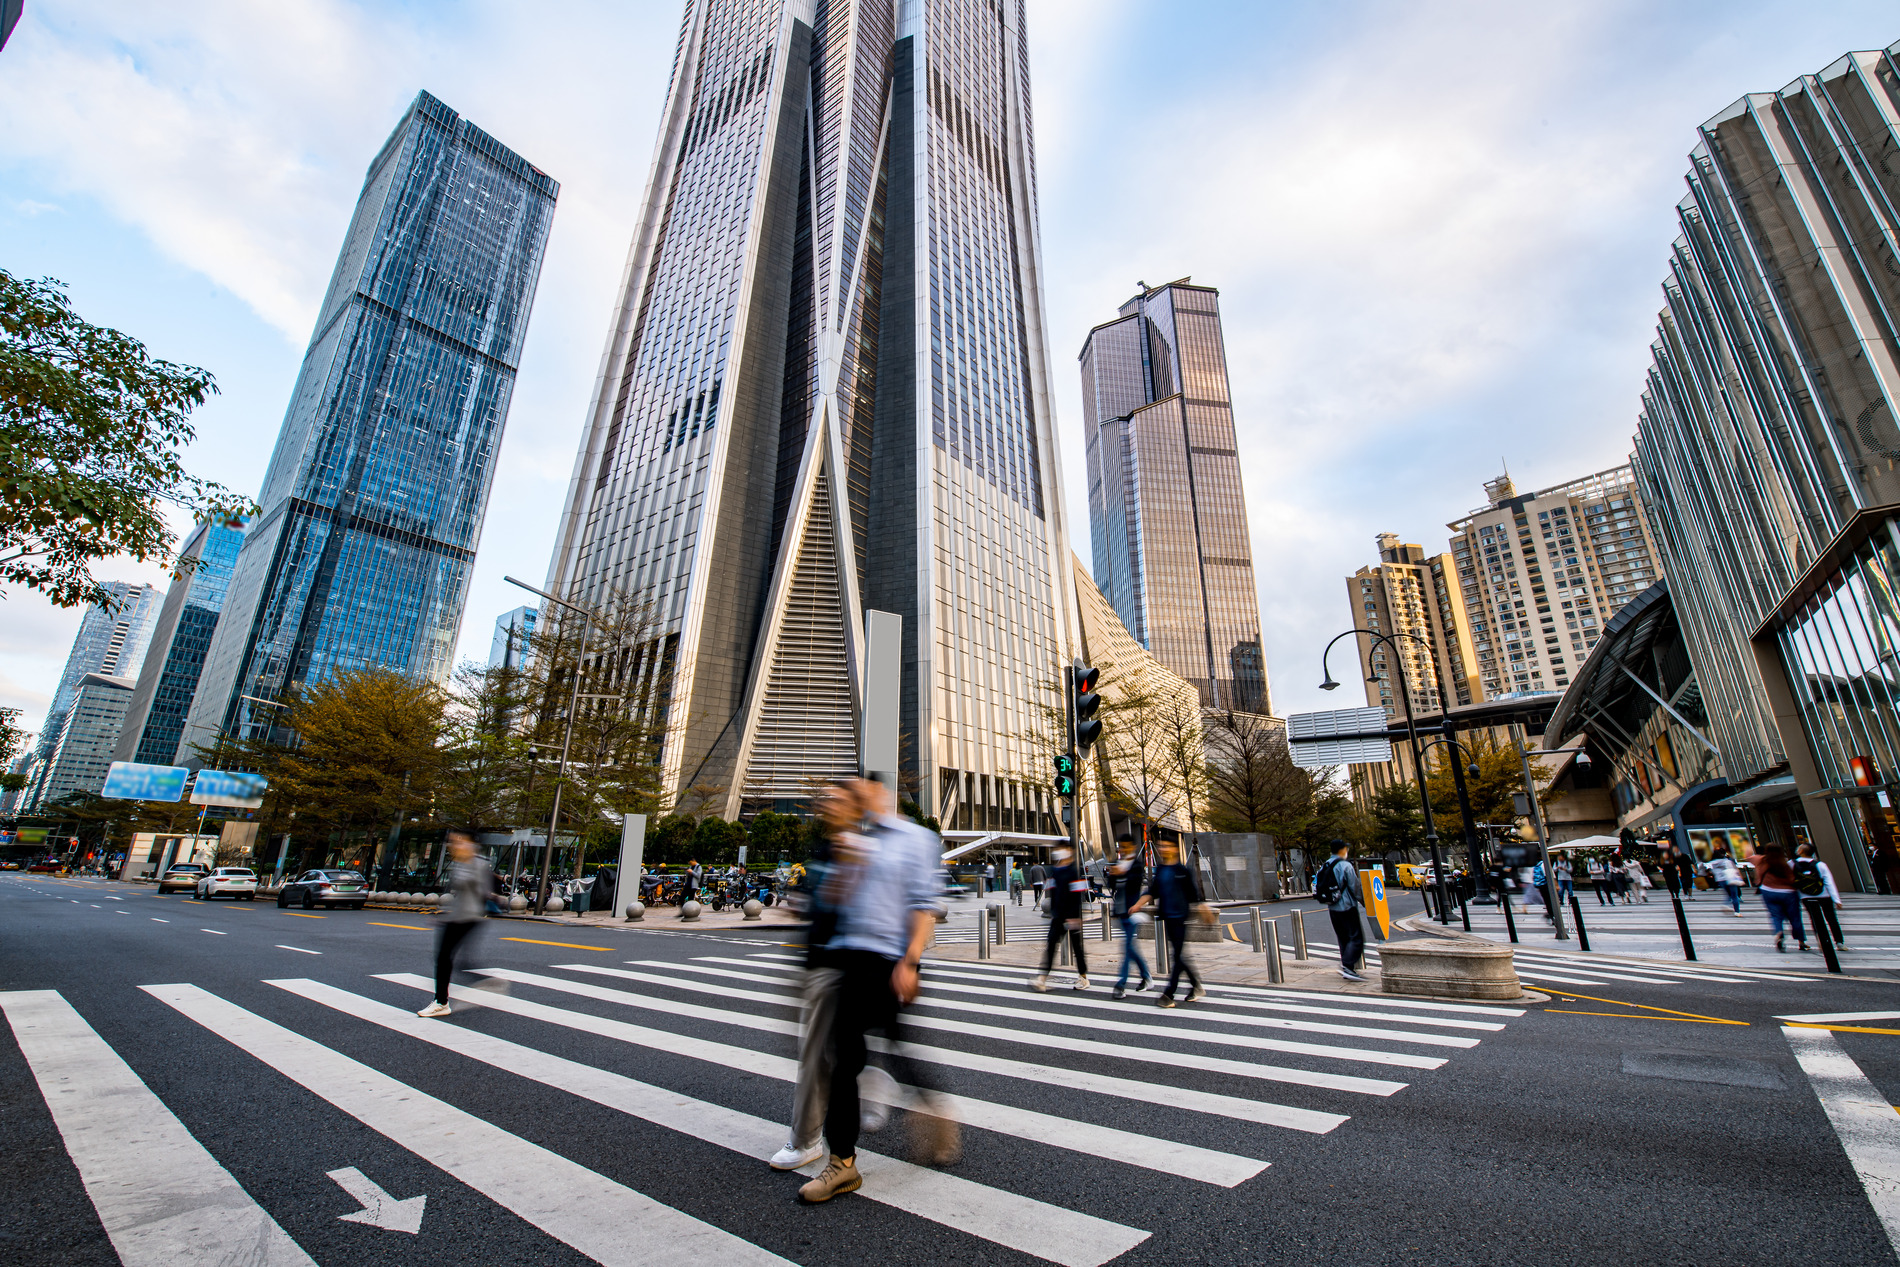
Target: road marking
(1845, 1029)
(1867, 1127)
(608, 1222)
(161, 1197)
(299, 949)
(121, 912)
(1573, 996)
(379, 1208)
(1823, 1018)
(214, 932)
(95, 906)
(1638, 1016)
(301, 915)
(1034, 1227)
(564, 945)
(157, 920)
(414, 928)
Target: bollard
(1583, 936)
(1464, 909)
(1821, 933)
(983, 934)
(1161, 949)
(1299, 935)
(1682, 926)
(1259, 938)
(1108, 932)
(1063, 961)
(1276, 972)
(1510, 924)
(1002, 927)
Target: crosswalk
(1542, 969)
(1068, 1075)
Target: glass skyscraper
(112, 639)
(373, 503)
(826, 392)
(1167, 515)
(155, 716)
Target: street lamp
(1458, 759)
(1411, 730)
(567, 738)
(1525, 753)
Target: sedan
(325, 888)
(183, 876)
(232, 882)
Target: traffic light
(1087, 702)
(1065, 775)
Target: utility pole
(1537, 821)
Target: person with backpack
(1176, 894)
(1066, 891)
(1037, 877)
(1725, 873)
(1780, 894)
(1338, 886)
(1814, 879)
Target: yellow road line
(412, 927)
(301, 915)
(1845, 1029)
(1569, 996)
(564, 945)
(1638, 1016)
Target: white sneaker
(1039, 984)
(791, 1157)
(1081, 983)
(1350, 975)
(435, 1009)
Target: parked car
(183, 876)
(233, 882)
(325, 888)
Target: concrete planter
(1454, 969)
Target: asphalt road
(1645, 1123)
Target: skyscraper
(373, 503)
(514, 635)
(1420, 602)
(112, 639)
(82, 747)
(155, 715)
(826, 392)
(1167, 515)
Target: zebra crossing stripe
(161, 1197)
(1124, 1051)
(1861, 1116)
(610, 1223)
(1003, 1218)
(1262, 1112)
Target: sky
(1439, 230)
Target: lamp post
(1411, 731)
(567, 738)
(1525, 753)
(1458, 759)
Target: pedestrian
(1725, 873)
(1016, 883)
(691, 891)
(1808, 868)
(1639, 880)
(1066, 888)
(470, 879)
(1337, 885)
(1780, 894)
(1131, 899)
(883, 887)
(1605, 886)
(1534, 892)
(1036, 877)
(1671, 876)
(1565, 876)
(1686, 862)
(1176, 894)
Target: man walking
(1177, 895)
(1126, 875)
(470, 879)
(691, 893)
(1036, 875)
(1066, 887)
(1338, 887)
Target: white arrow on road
(379, 1208)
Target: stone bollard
(636, 911)
(518, 903)
(433, 901)
(1063, 962)
(690, 911)
(1107, 931)
(1161, 949)
(752, 908)
(554, 906)
(1454, 969)
(1259, 935)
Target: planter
(1454, 969)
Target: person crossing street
(470, 879)
(1338, 887)
(1066, 890)
(1176, 894)
(1126, 875)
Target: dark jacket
(1128, 885)
(1175, 891)
(1066, 889)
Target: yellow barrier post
(1372, 881)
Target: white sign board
(1312, 737)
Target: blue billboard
(131, 781)
(229, 787)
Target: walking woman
(1723, 870)
(1130, 897)
(1779, 894)
(1066, 887)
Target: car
(325, 887)
(184, 875)
(233, 882)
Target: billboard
(1341, 736)
(130, 781)
(234, 788)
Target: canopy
(1588, 842)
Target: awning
(983, 839)
(1588, 842)
(1769, 790)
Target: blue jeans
(1784, 906)
(1131, 954)
(1734, 896)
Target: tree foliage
(1397, 821)
(90, 432)
(1499, 777)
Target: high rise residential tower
(82, 747)
(1420, 602)
(826, 392)
(1167, 515)
(373, 503)
(112, 639)
(155, 716)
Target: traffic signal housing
(1087, 728)
(1065, 775)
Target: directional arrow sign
(379, 1208)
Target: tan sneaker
(1081, 983)
(1040, 984)
(840, 1176)
(939, 1142)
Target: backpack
(1807, 877)
(1327, 887)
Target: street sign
(1338, 737)
(1372, 881)
(131, 781)
(233, 788)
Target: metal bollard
(1464, 909)
(1002, 926)
(1576, 912)
(1108, 932)
(1299, 935)
(1510, 923)
(1259, 939)
(1063, 961)
(1819, 920)
(1276, 971)
(983, 934)
(1161, 949)
(1682, 926)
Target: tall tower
(155, 715)
(826, 392)
(112, 639)
(1167, 514)
(373, 503)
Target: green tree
(774, 836)
(485, 756)
(1499, 777)
(671, 841)
(90, 432)
(1397, 822)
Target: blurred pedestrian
(1177, 898)
(1066, 889)
(1338, 886)
(1686, 864)
(1127, 875)
(1780, 894)
(470, 880)
(1037, 874)
(1565, 876)
(1639, 880)
(1016, 883)
(1808, 863)
(1605, 886)
(883, 886)
(1724, 872)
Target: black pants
(1352, 938)
(448, 940)
(1831, 914)
(866, 1002)
(1604, 890)
(1176, 931)
(1057, 927)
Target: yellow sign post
(1372, 882)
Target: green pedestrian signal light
(1065, 785)
(1065, 764)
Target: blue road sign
(229, 787)
(131, 781)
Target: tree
(1184, 739)
(1252, 784)
(1499, 777)
(90, 432)
(716, 841)
(485, 756)
(774, 836)
(1397, 822)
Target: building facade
(154, 731)
(113, 638)
(1769, 458)
(373, 503)
(826, 391)
(514, 638)
(82, 750)
(1543, 572)
(1420, 603)
(1167, 513)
